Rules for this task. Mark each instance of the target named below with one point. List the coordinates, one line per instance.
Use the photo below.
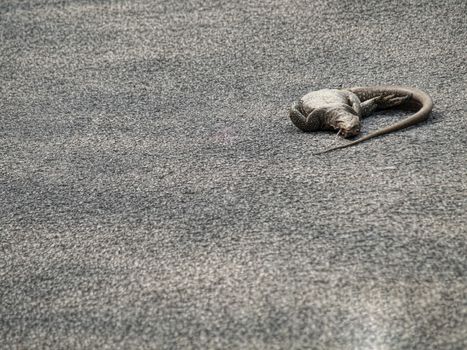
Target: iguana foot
(389, 101)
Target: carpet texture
(154, 193)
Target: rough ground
(154, 193)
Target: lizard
(343, 110)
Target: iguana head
(346, 121)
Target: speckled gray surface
(154, 193)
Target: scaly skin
(342, 110)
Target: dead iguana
(343, 109)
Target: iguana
(343, 109)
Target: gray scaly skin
(343, 109)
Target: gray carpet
(154, 193)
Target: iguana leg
(369, 106)
(392, 101)
(382, 102)
(354, 101)
(297, 116)
(310, 123)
